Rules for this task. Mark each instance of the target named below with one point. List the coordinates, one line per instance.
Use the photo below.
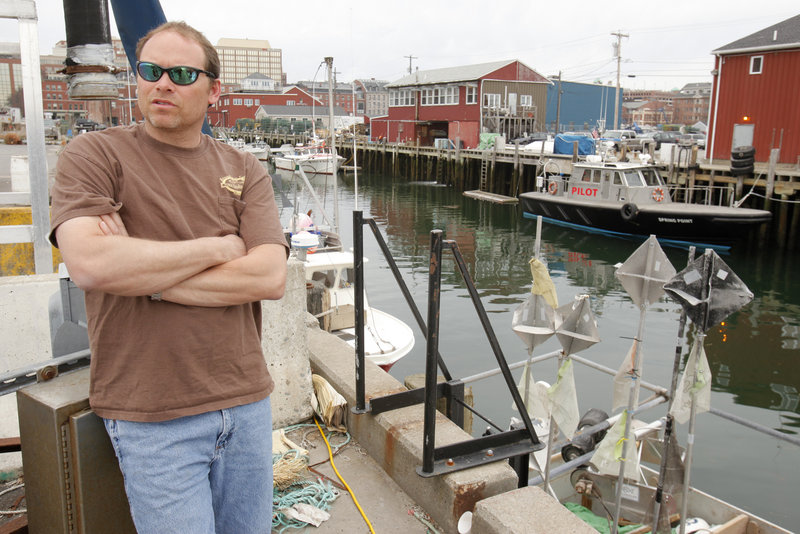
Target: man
(175, 239)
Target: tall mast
(329, 62)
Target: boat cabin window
(634, 179)
(590, 175)
(617, 178)
(651, 177)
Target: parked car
(693, 138)
(665, 137)
(622, 137)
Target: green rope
(319, 494)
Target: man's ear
(214, 92)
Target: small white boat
(315, 158)
(259, 149)
(387, 338)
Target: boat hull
(326, 164)
(669, 221)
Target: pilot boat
(632, 199)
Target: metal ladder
(484, 184)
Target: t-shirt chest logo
(233, 184)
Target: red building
(240, 105)
(755, 98)
(459, 103)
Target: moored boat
(387, 338)
(315, 158)
(623, 198)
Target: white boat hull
(386, 338)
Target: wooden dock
(491, 197)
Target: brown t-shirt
(154, 361)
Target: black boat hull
(673, 221)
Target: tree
(17, 99)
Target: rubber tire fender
(739, 163)
(629, 211)
(742, 152)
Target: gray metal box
(72, 479)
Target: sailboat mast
(329, 62)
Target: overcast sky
(668, 44)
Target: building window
(472, 95)
(237, 101)
(756, 64)
(402, 97)
(491, 100)
(526, 101)
(439, 96)
(248, 102)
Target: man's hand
(111, 224)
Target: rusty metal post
(434, 295)
(358, 265)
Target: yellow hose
(353, 495)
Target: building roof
(782, 35)
(302, 111)
(373, 85)
(465, 73)
(258, 76)
(243, 43)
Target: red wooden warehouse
(459, 103)
(755, 97)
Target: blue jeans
(202, 474)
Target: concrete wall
(25, 335)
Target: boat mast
(329, 62)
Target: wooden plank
(18, 525)
(10, 445)
(491, 197)
(737, 525)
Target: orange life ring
(658, 194)
(552, 188)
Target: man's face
(174, 113)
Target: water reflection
(754, 355)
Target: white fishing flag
(695, 382)
(608, 454)
(623, 380)
(534, 395)
(564, 400)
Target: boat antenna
(329, 62)
(355, 107)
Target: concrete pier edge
(394, 440)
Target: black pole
(404, 289)
(358, 265)
(434, 294)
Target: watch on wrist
(156, 296)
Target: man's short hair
(186, 31)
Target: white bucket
(20, 178)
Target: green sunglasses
(180, 75)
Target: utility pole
(558, 106)
(618, 54)
(409, 62)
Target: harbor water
(754, 356)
